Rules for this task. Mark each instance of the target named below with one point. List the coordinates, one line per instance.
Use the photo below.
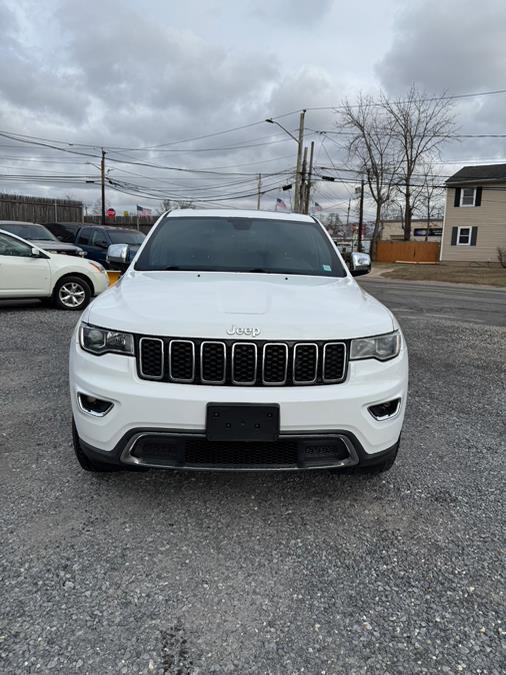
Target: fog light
(94, 406)
(382, 411)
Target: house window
(464, 236)
(468, 197)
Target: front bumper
(179, 410)
(152, 448)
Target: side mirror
(35, 253)
(117, 253)
(360, 264)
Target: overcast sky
(127, 75)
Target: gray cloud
(122, 73)
(28, 84)
(454, 45)
(297, 12)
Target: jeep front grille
(241, 363)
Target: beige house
(391, 230)
(475, 218)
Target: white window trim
(462, 197)
(464, 227)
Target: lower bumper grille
(194, 452)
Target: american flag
(280, 205)
(317, 207)
(141, 211)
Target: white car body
(36, 277)
(237, 306)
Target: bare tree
(373, 149)
(96, 209)
(418, 126)
(165, 205)
(430, 195)
(185, 204)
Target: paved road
(210, 573)
(461, 304)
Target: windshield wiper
(259, 270)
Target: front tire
(86, 463)
(71, 293)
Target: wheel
(86, 463)
(71, 293)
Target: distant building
(392, 229)
(475, 218)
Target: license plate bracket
(242, 422)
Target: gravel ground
(247, 573)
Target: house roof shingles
(479, 174)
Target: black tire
(71, 293)
(86, 463)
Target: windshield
(221, 244)
(30, 231)
(126, 237)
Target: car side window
(14, 247)
(99, 239)
(84, 236)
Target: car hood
(49, 245)
(211, 304)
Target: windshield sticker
(327, 268)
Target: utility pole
(309, 176)
(102, 177)
(298, 197)
(298, 177)
(361, 217)
(259, 188)
(302, 184)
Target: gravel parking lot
(251, 573)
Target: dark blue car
(96, 239)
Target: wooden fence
(39, 209)
(407, 251)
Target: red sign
(111, 213)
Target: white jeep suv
(237, 340)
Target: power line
(423, 99)
(245, 126)
(387, 133)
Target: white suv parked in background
(237, 340)
(26, 271)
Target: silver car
(40, 236)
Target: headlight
(381, 347)
(103, 341)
